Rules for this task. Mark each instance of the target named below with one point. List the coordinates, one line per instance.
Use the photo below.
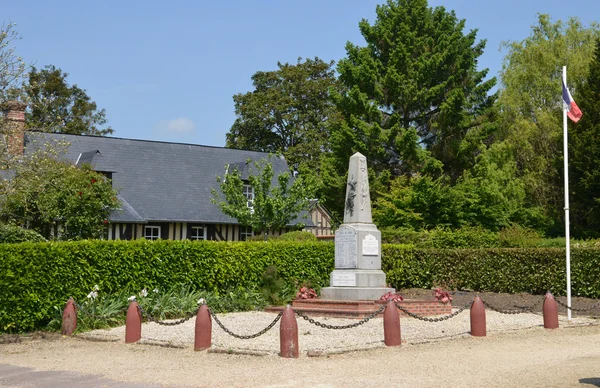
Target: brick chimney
(13, 125)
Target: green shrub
(15, 234)
(516, 236)
(497, 270)
(34, 277)
(466, 237)
(272, 285)
(297, 236)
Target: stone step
(363, 308)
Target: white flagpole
(567, 234)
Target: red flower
(94, 180)
(80, 193)
(306, 293)
(105, 222)
(444, 296)
(391, 296)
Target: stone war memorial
(357, 274)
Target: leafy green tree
(274, 202)
(489, 196)
(420, 203)
(530, 105)
(584, 153)
(45, 194)
(288, 112)
(56, 106)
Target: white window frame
(245, 232)
(248, 192)
(151, 235)
(197, 237)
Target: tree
(412, 95)
(584, 153)
(288, 112)
(415, 85)
(272, 204)
(12, 66)
(45, 194)
(55, 106)
(531, 109)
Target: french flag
(573, 111)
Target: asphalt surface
(16, 376)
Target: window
(152, 232)
(198, 233)
(249, 194)
(245, 232)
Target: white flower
(144, 292)
(131, 298)
(155, 290)
(201, 301)
(96, 288)
(92, 295)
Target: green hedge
(34, 277)
(533, 270)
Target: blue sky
(168, 70)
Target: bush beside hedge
(36, 276)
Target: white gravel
(314, 340)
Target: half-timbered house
(164, 188)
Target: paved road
(15, 376)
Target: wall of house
(181, 231)
(321, 221)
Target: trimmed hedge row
(512, 270)
(34, 277)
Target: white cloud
(178, 126)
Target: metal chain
(175, 323)
(521, 311)
(336, 327)
(263, 331)
(574, 309)
(438, 319)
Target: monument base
(363, 308)
(354, 293)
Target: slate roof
(159, 181)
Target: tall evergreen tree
(412, 95)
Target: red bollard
(550, 312)
(133, 323)
(69, 318)
(391, 325)
(203, 330)
(288, 334)
(478, 328)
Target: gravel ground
(314, 340)
(517, 352)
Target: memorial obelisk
(357, 274)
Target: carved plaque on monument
(370, 245)
(346, 250)
(343, 279)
